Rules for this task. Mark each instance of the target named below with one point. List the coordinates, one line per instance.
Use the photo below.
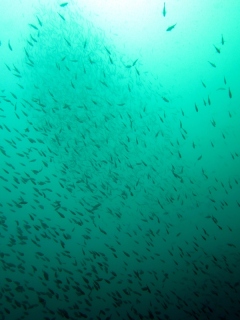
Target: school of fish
(114, 201)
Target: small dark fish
(104, 232)
(33, 38)
(212, 64)
(39, 21)
(109, 52)
(164, 10)
(231, 245)
(45, 275)
(62, 17)
(165, 99)
(67, 42)
(213, 123)
(134, 62)
(171, 27)
(7, 67)
(230, 93)
(217, 49)
(209, 101)
(215, 221)
(196, 107)
(9, 45)
(64, 4)
(146, 289)
(204, 84)
(222, 40)
(14, 96)
(33, 26)
(85, 280)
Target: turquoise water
(120, 161)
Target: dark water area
(119, 160)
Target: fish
(222, 40)
(164, 12)
(68, 176)
(229, 93)
(212, 64)
(134, 62)
(165, 99)
(9, 45)
(33, 26)
(213, 123)
(171, 27)
(39, 21)
(63, 313)
(67, 42)
(64, 4)
(217, 49)
(209, 101)
(61, 16)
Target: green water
(120, 161)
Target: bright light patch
(123, 18)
